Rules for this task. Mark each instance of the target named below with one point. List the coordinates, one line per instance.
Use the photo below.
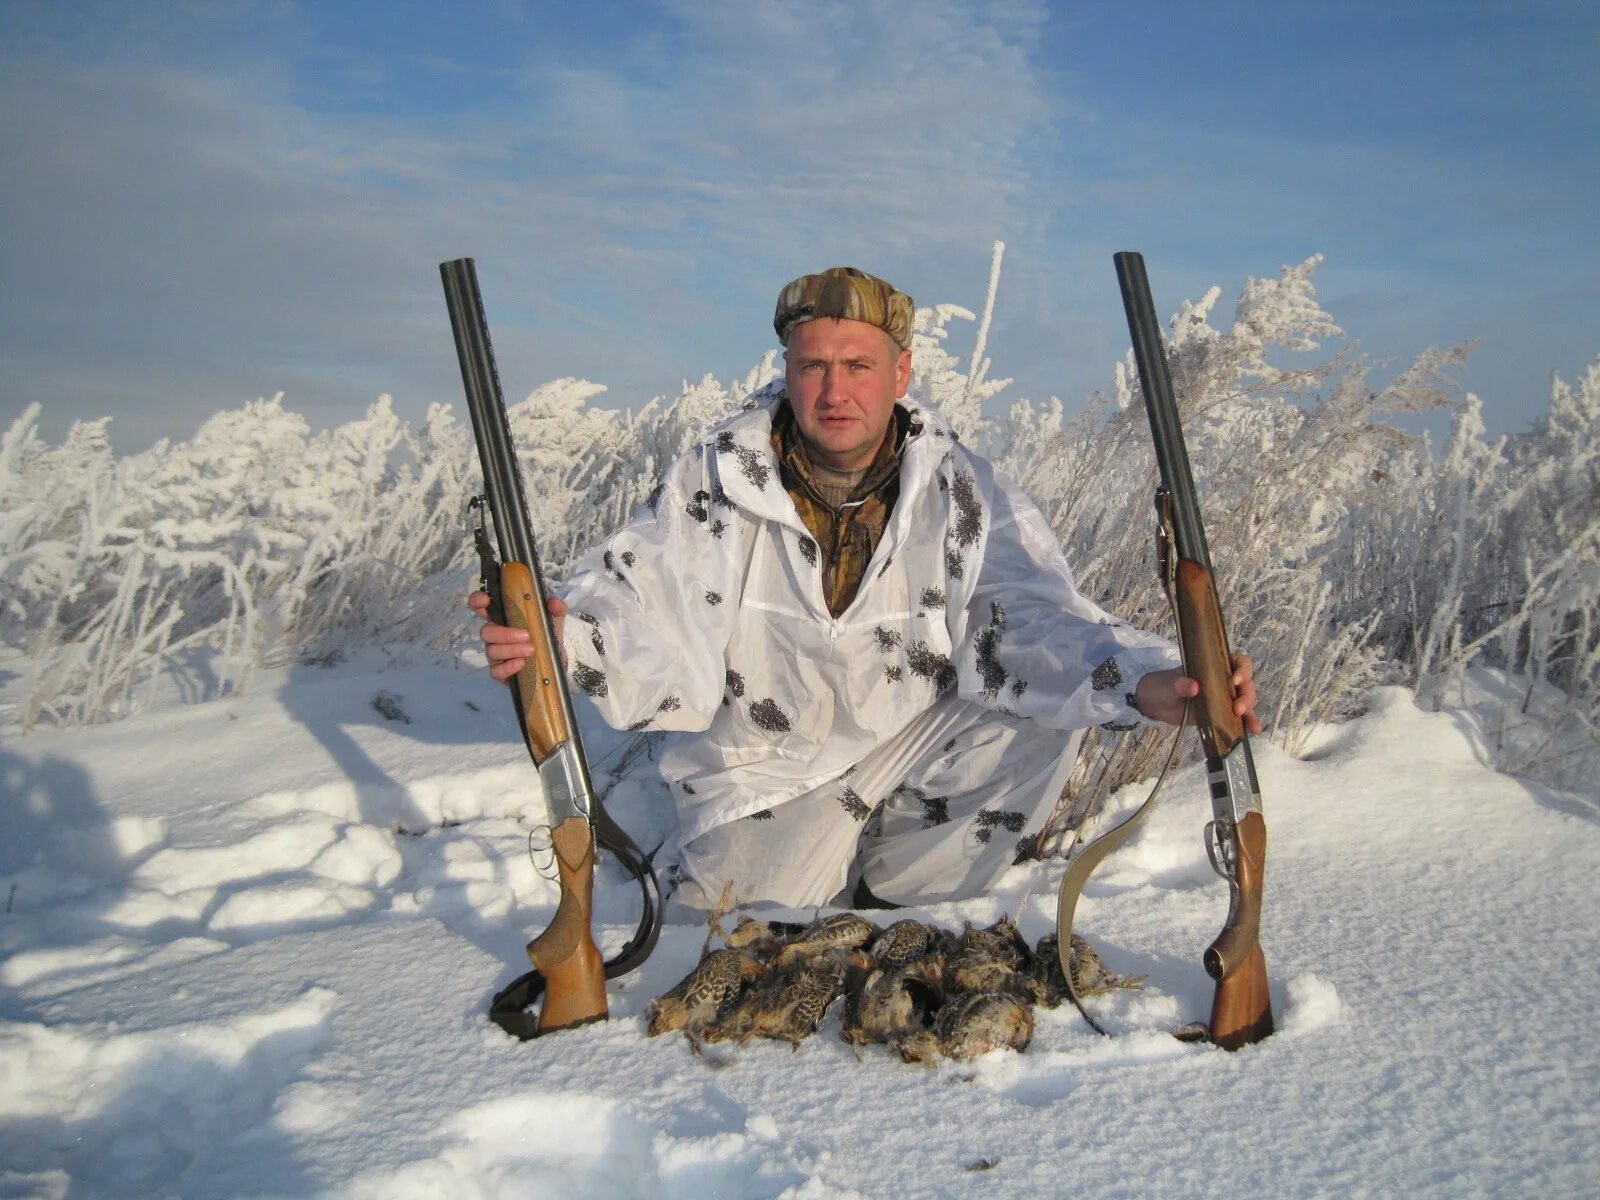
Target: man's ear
(902, 373)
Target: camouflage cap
(849, 294)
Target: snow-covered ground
(248, 947)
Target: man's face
(844, 377)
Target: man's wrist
(1136, 697)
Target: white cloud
(819, 124)
(183, 239)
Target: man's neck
(833, 486)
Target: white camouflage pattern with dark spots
(843, 687)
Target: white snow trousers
(935, 814)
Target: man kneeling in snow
(873, 634)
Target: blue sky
(209, 202)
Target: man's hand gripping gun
(568, 968)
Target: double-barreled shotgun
(568, 971)
(1236, 837)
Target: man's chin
(835, 438)
(840, 441)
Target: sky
(209, 202)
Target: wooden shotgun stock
(1241, 1009)
(565, 953)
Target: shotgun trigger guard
(1221, 848)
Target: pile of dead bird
(927, 992)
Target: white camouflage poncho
(706, 613)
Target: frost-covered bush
(255, 540)
(1277, 456)
(1346, 549)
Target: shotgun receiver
(1236, 838)
(568, 968)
